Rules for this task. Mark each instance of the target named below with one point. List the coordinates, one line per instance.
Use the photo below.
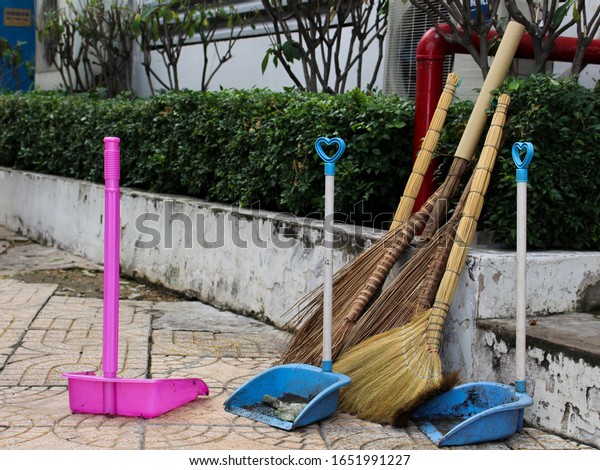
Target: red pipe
(431, 52)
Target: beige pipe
(495, 77)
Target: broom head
(399, 361)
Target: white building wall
(241, 72)
(46, 76)
(244, 69)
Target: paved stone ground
(44, 332)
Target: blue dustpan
(486, 411)
(473, 413)
(296, 382)
(317, 389)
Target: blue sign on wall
(17, 26)
(484, 8)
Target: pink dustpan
(89, 393)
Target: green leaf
(136, 23)
(560, 13)
(514, 85)
(147, 13)
(291, 50)
(576, 13)
(265, 61)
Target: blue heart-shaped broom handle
(322, 142)
(522, 164)
(521, 257)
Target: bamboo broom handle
(478, 118)
(437, 265)
(467, 226)
(498, 70)
(414, 223)
(397, 245)
(423, 160)
(463, 155)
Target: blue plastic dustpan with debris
(294, 395)
(290, 383)
(487, 411)
(473, 413)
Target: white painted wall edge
(254, 262)
(258, 262)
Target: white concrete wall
(565, 388)
(258, 263)
(266, 261)
(556, 283)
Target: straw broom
(305, 345)
(462, 156)
(354, 328)
(351, 301)
(394, 372)
(389, 258)
(306, 348)
(412, 290)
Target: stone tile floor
(44, 332)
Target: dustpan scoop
(315, 389)
(486, 411)
(89, 393)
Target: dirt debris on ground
(89, 283)
(30, 262)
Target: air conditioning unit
(406, 26)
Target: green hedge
(256, 147)
(562, 120)
(241, 147)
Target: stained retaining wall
(260, 263)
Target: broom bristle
(410, 292)
(306, 345)
(394, 372)
(390, 372)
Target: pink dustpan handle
(110, 345)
